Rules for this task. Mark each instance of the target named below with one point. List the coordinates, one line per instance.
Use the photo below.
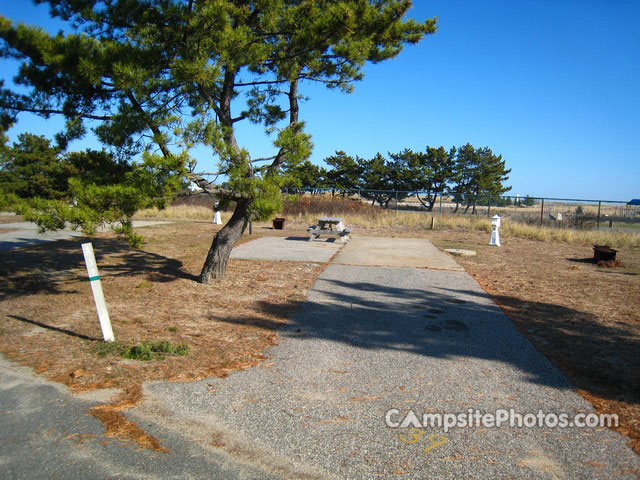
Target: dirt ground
(48, 319)
(584, 318)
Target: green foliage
(305, 175)
(47, 214)
(345, 171)
(8, 200)
(466, 172)
(267, 198)
(88, 205)
(33, 168)
(426, 173)
(479, 174)
(104, 349)
(146, 351)
(377, 174)
(499, 201)
(439, 170)
(96, 166)
(165, 75)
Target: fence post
(440, 204)
(542, 213)
(598, 222)
(488, 205)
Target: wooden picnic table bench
(326, 226)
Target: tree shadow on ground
(55, 329)
(48, 267)
(448, 323)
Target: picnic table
(329, 226)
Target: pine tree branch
(51, 111)
(216, 190)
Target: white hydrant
(495, 231)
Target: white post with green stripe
(98, 295)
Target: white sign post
(98, 295)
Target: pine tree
(171, 75)
(344, 171)
(439, 171)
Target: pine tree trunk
(216, 262)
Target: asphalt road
(46, 433)
(24, 234)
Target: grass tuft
(146, 351)
(108, 348)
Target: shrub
(146, 351)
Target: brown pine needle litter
(118, 426)
(49, 322)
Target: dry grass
(582, 317)
(152, 295)
(306, 210)
(572, 237)
(389, 219)
(179, 212)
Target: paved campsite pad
(370, 339)
(395, 252)
(23, 234)
(367, 340)
(298, 249)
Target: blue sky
(553, 86)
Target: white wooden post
(98, 295)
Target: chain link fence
(581, 214)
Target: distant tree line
(466, 174)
